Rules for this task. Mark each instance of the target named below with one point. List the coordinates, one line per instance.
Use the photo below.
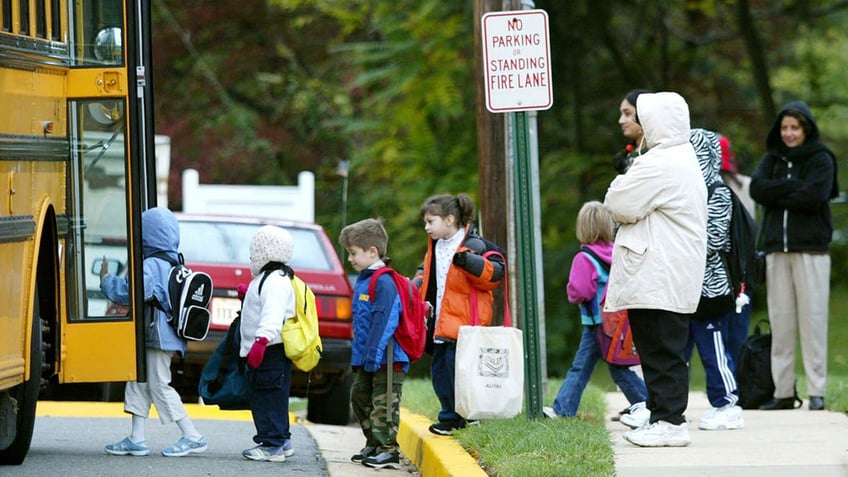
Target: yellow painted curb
(435, 456)
(116, 409)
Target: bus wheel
(26, 396)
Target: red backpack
(411, 333)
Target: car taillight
(333, 308)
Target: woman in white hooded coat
(658, 260)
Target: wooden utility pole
(500, 220)
(491, 147)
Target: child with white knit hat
(269, 301)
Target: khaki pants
(157, 390)
(798, 295)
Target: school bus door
(102, 341)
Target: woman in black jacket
(794, 182)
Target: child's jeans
(269, 399)
(588, 354)
(443, 374)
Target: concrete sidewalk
(789, 443)
(796, 443)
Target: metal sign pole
(526, 244)
(516, 56)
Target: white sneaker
(637, 416)
(722, 418)
(549, 412)
(660, 434)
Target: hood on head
(708, 151)
(270, 244)
(728, 157)
(773, 140)
(160, 232)
(665, 119)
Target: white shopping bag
(489, 372)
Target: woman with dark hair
(658, 261)
(794, 182)
(632, 130)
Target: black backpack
(740, 260)
(189, 292)
(753, 369)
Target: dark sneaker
(446, 428)
(382, 460)
(816, 403)
(366, 451)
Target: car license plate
(224, 310)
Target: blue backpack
(593, 309)
(224, 378)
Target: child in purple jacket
(586, 288)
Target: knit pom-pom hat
(270, 244)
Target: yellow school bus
(76, 170)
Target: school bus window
(100, 219)
(40, 19)
(56, 20)
(6, 13)
(24, 17)
(100, 38)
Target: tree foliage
(256, 91)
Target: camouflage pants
(369, 401)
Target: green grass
(530, 448)
(581, 447)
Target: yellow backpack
(300, 332)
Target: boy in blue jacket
(374, 322)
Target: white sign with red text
(516, 61)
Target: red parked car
(218, 245)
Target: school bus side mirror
(108, 46)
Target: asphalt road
(73, 447)
(69, 438)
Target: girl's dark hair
(460, 206)
(271, 266)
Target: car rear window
(227, 243)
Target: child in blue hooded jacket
(160, 234)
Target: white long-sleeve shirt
(263, 315)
